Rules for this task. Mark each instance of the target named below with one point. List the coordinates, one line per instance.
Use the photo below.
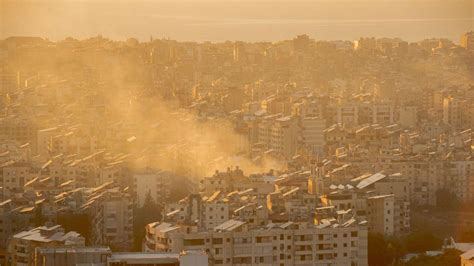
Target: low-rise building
(24, 245)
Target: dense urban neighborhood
(293, 152)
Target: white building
(156, 183)
(291, 243)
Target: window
(217, 241)
(354, 234)
(194, 242)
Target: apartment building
(154, 182)
(103, 256)
(284, 136)
(381, 214)
(111, 213)
(312, 134)
(453, 111)
(233, 242)
(72, 256)
(24, 245)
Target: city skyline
(236, 133)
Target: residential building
(24, 245)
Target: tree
(148, 213)
(38, 218)
(78, 222)
(380, 253)
(450, 257)
(422, 241)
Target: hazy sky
(202, 20)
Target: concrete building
(154, 182)
(291, 243)
(312, 134)
(103, 256)
(112, 219)
(283, 136)
(44, 141)
(72, 256)
(381, 214)
(188, 258)
(24, 245)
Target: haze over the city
(236, 133)
(204, 20)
